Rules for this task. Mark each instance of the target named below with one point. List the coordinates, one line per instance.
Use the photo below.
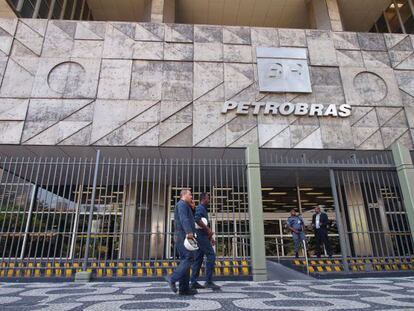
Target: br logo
(283, 70)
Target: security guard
(184, 228)
(297, 227)
(205, 244)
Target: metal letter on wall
(283, 70)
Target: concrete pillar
(5, 10)
(324, 15)
(405, 171)
(163, 11)
(254, 189)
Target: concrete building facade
(156, 88)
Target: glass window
(44, 8)
(78, 9)
(28, 8)
(68, 9)
(57, 9)
(382, 25)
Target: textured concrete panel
(90, 31)
(237, 77)
(13, 109)
(87, 49)
(207, 78)
(267, 37)
(111, 115)
(205, 34)
(146, 81)
(210, 111)
(149, 32)
(178, 51)
(336, 133)
(17, 74)
(349, 58)
(177, 81)
(67, 78)
(59, 38)
(119, 41)
(321, 48)
(373, 87)
(345, 40)
(236, 35)
(208, 51)
(372, 41)
(292, 37)
(148, 50)
(115, 79)
(179, 33)
(237, 53)
(10, 132)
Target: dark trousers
(321, 237)
(205, 249)
(181, 274)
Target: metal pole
(399, 17)
(36, 9)
(29, 216)
(341, 231)
(88, 236)
(19, 5)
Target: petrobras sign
(287, 108)
(282, 70)
(285, 70)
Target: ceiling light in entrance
(277, 193)
(314, 193)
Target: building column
(162, 11)
(254, 190)
(405, 171)
(325, 15)
(5, 10)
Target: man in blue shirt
(205, 244)
(184, 228)
(296, 225)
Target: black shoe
(171, 284)
(188, 292)
(196, 285)
(211, 285)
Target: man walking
(320, 223)
(297, 227)
(205, 244)
(184, 228)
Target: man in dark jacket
(205, 242)
(184, 228)
(320, 223)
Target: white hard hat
(191, 244)
(204, 220)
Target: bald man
(184, 228)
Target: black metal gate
(114, 217)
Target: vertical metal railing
(100, 212)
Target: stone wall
(97, 83)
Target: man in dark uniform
(297, 227)
(205, 243)
(320, 223)
(184, 228)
